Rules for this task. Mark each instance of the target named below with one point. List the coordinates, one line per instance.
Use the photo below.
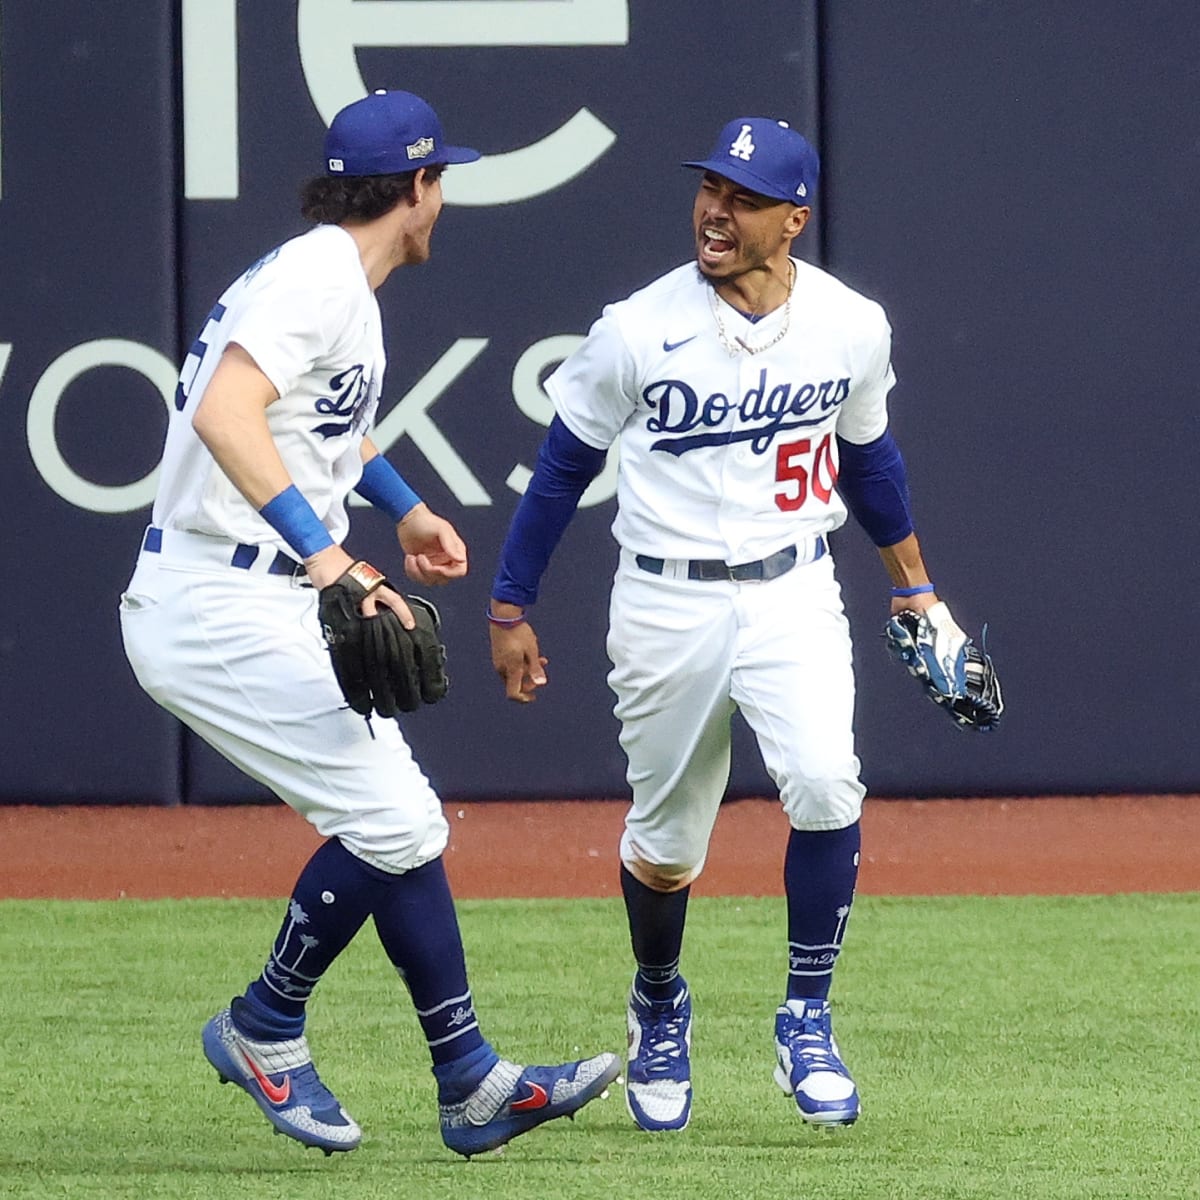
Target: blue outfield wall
(1014, 183)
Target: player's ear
(797, 219)
(425, 179)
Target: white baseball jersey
(308, 317)
(728, 455)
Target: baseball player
(748, 390)
(220, 623)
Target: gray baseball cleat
(282, 1081)
(512, 1100)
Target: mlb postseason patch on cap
(388, 133)
(767, 156)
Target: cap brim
(459, 154)
(742, 175)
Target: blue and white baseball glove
(954, 673)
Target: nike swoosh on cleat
(669, 346)
(537, 1098)
(277, 1093)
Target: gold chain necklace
(734, 345)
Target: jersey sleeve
(594, 391)
(285, 325)
(864, 417)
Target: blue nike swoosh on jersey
(669, 346)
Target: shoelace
(308, 1089)
(809, 1042)
(665, 1039)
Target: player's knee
(822, 802)
(659, 876)
(401, 847)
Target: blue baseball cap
(388, 133)
(766, 156)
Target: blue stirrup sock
(819, 874)
(332, 898)
(417, 925)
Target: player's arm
(873, 482)
(433, 551)
(231, 420)
(565, 466)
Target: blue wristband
(384, 487)
(918, 589)
(292, 517)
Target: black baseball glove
(380, 666)
(954, 672)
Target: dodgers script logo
(351, 393)
(763, 412)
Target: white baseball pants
(685, 654)
(237, 655)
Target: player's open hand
(518, 661)
(434, 554)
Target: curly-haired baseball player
(248, 620)
(743, 386)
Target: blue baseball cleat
(808, 1066)
(512, 1100)
(658, 1078)
(282, 1081)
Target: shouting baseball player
(748, 390)
(248, 620)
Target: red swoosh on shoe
(537, 1098)
(277, 1093)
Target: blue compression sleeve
(565, 466)
(874, 485)
(383, 486)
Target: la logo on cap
(743, 145)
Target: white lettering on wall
(43, 408)
(210, 100)
(411, 417)
(532, 400)
(329, 32)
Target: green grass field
(1008, 1048)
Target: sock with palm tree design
(333, 896)
(819, 873)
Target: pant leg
(670, 643)
(793, 681)
(241, 661)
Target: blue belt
(759, 571)
(242, 555)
